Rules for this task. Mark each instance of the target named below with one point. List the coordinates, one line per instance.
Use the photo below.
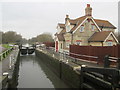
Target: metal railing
(65, 56)
(5, 53)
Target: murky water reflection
(33, 73)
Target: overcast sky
(33, 18)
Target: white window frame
(61, 46)
(93, 27)
(110, 43)
(81, 28)
(67, 44)
(78, 43)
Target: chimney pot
(88, 5)
(88, 10)
(67, 16)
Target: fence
(49, 44)
(100, 78)
(93, 78)
(65, 57)
(97, 51)
(5, 53)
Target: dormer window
(68, 28)
(82, 28)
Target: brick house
(83, 31)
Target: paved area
(79, 62)
(4, 64)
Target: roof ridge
(60, 23)
(101, 20)
(80, 17)
(77, 18)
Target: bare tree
(45, 37)
(11, 37)
(1, 33)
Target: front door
(56, 46)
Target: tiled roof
(63, 31)
(60, 37)
(100, 23)
(99, 36)
(77, 21)
(61, 25)
(104, 23)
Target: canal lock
(39, 67)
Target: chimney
(67, 17)
(88, 10)
(88, 5)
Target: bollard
(10, 62)
(53, 55)
(81, 78)
(106, 62)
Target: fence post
(81, 78)
(118, 63)
(106, 65)
(106, 62)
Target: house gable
(67, 36)
(111, 36)
(87, 32)
(102, 37)
(60, 28)
(102, 25)
(84, 21)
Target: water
(33, 73)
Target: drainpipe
(72, 38)
(102, 43)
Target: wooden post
(118, 63)
(81, 78)
(106, 62)
(106, 65)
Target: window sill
(81, 32)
